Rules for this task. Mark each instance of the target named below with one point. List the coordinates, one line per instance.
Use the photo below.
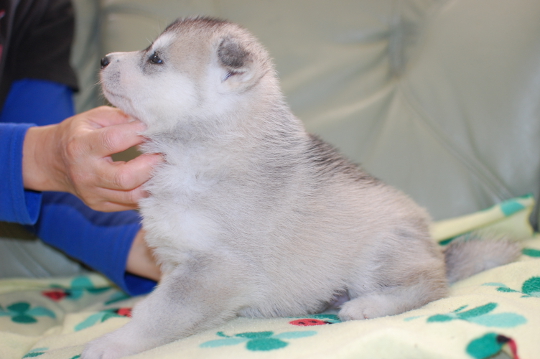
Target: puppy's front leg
(193, 297)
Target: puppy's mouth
(120, 101)
(108, 93)
(117, 99)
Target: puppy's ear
(238, 65)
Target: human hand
(141, 260)
(75, 156)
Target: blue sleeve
(38, 102)
(29, 102)
(16, 204)
(100, 240)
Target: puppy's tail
(465, 257)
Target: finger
(128, 175)
(117, 138)
(114, 201)
(127, 199)
(106, 116)
(113, 207)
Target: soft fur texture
(250, 215)
(469, 255)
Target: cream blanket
(498, 310)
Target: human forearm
(41, 171)
(141, 260)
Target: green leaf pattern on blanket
(102, 316)
(257, 341)
(76, 289)
(23, 313)
(117, 297)
(35, 352)
(484, 347)
(489, 344)
(479, 315)
(511, 206)
(530, 288)
(531, 252)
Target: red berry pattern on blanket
(77, 288)
(316, 319)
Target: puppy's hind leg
(395, 287)
(391, 301)
(193, 297)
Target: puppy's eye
(155, 59)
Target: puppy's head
(197, 68)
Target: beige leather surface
(439, 98)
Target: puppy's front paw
(354, 312)
(107, 347)
(368, 307)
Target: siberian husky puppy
(250, 215)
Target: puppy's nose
(105, 61)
